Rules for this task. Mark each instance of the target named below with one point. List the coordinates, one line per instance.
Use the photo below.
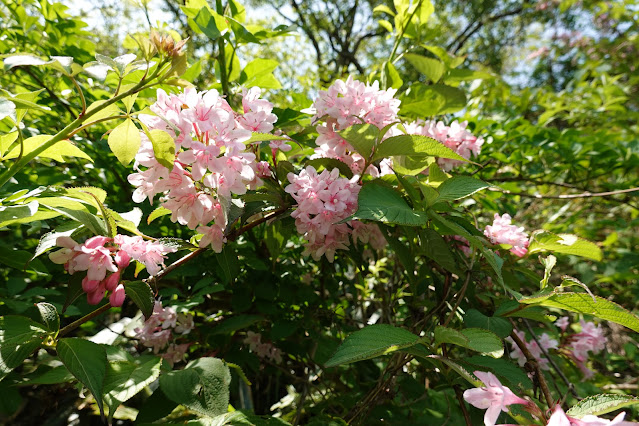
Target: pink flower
(559, 418)
(117, 296)
(212, 236)
(175, 353)
(546, 342)
(590, 339)
(455, 137)
(502, 232)
(281, 145)
(185, 324)
(493, 397)
(562, 323)
(150, 253)
(323, 200)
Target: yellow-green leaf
(125, 141)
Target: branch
(309, 34)
(77, 323)
(490, 19)
(570, 196)
(539, 375)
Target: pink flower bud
(96, 296)
(117, 296)
(90, 285)
(112, 281)
(122, 259)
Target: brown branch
(462, 404)
(570, 196)
(568, 383)
(77, 323)
(481, 23)
(539, 375)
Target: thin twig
(568, 383)
(569, 196)
(77, 323)
(462, 404)
(533, 361)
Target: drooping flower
(503, 232)
(492, 397)
(545, 342)
(559, 418)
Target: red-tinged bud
(96, 296)
(122, 259)
(90, 285)
(112, 281)
(117, 297)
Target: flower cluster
(503, 232)
(492, 397)
(559, 418)
(263, 349)
(535, 347)
(100, 255)
(211, 162)
(344, 104)
(323, 200)
(590, 339)
(159, 328)
(455, 137)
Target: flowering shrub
(284, 249)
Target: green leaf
(238, 322)
(125, 379)
(460, 75)
(142, 296)
(448, 59)
(549, 263)
(49, 316)
(79, 214)
(584, 303)
(431, 68)
(383, 204)
(394, 80)
(202, 386)
(246, 418)
(159, 212)
(601, 404)
(259, 137)
(501, 367)
(497, 325)
(459, 187)
(211, 24)
(19, 337)
(329, 164)
(470, 378)
(56, 375)
(370, 342)
(6, 140)
(414, 146)
(125, 141)
(56, 152)
(435, 247)
(7, 108)
(476, 339)
(455, 99)
(87, 361)
(163, 148)
(563, 243)
(22, 60)
(11, 213)
(362, 138)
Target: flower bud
(122, 259)
(112, 281)
(117, 296)
(96, 296)
(90, 285)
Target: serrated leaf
(584, 303)
(142, 295)
(19, 337)
(414, 146)
(362, 138)
(476, 339)
(125, 141)
(123, 380)
(431, 68)
(159, 212)
(383, 204)
(87, 361)
(601, 404)
(163, 148)
(22, 60)
(370, 342)
(202, 386)
(459, 187)
(497, 325)
(56, 152)
(563, 243)
(49, 316)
